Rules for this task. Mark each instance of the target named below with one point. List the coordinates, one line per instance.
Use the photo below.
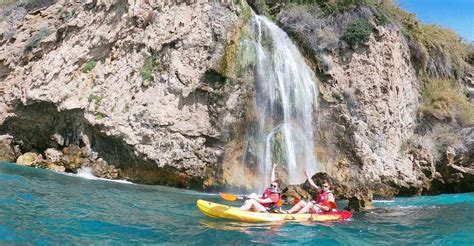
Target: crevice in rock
(101, 51)
(4, 72)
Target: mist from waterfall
(286, 95)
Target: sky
(457, 15)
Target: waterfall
(285, 101)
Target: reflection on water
(42, 207)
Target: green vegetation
(469, 48)
(437, 52)
(97, 99)
(89, 66)
(148, 67)
(331, 7)
(334, 7)
(99, 116)
(444, 100)
(358, 32)
(381, 17)
(37, 37)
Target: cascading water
(285, 102)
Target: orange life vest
(268, 193)
(323, 199)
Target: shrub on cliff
(148, 67)
(334, 7)
(469, 47)
(444, 100)
(89, 66)
(444, 53)
(358, 32)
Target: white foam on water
(86, 173)
(383, 201)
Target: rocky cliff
(373, 132)
(128, 82)
(162, 93)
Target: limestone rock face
(377, 108)
(56, 168)
(123, 78)
(8, 151)
(53, 155)
(294, 193)
(456, 168)
(28, 159)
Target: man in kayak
(268, 201)
(324, 203)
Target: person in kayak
(325, 201)
(268, 201)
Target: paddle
(279, 203)
(230, 197)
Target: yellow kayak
(216, 210)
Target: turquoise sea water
(43, 208)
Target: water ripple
(42, 207)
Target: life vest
(323, 198)
(266, 194)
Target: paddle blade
(279, 203)
(228, 197)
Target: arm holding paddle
(259, 199)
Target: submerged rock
(361, 200)
(56, 168)
(456, 168)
